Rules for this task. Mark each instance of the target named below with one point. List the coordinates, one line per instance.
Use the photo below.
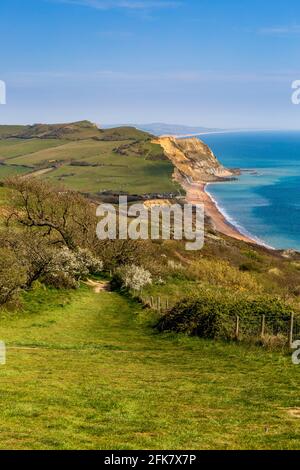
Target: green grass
(68, 151)
(12, 170)
(125, 158)
(130, 174)
(14, 148)
(133, 173)
(124, 132)
(97, 377)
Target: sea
(264, 201)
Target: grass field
(15, 148)
(12, 170)
(65, 152)
(138, 170)
(95, 376)
(130, 174)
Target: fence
(258, 326)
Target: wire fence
(257, 326)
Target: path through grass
(95, 377)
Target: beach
(196, 194)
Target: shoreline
(232, 223)
(196, 193)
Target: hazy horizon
(215, 65)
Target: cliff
(193, 160)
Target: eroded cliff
(193, 160)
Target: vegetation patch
(214, 316)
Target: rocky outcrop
(193, 160)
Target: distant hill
(7, 131)
(70, 131)
(159, 129)
(81, 130)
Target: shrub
(68, 267)
(213, 316)
(273, 342)
(221, 273)
(68, 217)
(132, 277)
(88, 262)
(12, 276)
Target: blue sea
(264, 202)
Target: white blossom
(134, 277)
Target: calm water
(265, 204)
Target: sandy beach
(196, 194)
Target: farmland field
(93, 165)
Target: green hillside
(89, 368)
(8, 131)
(88, 159)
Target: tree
(65, 217)
(12, 276)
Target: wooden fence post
(291, 331)
(167, 303)
(151, 302)
(237, 327)
(263, 326)
(158, 304)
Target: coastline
(241, 231)
(196, 193)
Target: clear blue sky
(217, 63)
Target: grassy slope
(131, 174)
(6, 131)
(137, 170)
(23, 149)
(97, 377)
(7, 171)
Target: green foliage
(63, 216)
(12, 276)
(213, 316)
(68, 267)
(250, 266)
(220, 273)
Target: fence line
(256, 326)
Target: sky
(211, 63)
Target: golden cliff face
(193, 160)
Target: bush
(89, 264)
(12, 276)
(68, 267)
(220, 273)
(213, 316)
(132, 277)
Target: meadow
(87, 371)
